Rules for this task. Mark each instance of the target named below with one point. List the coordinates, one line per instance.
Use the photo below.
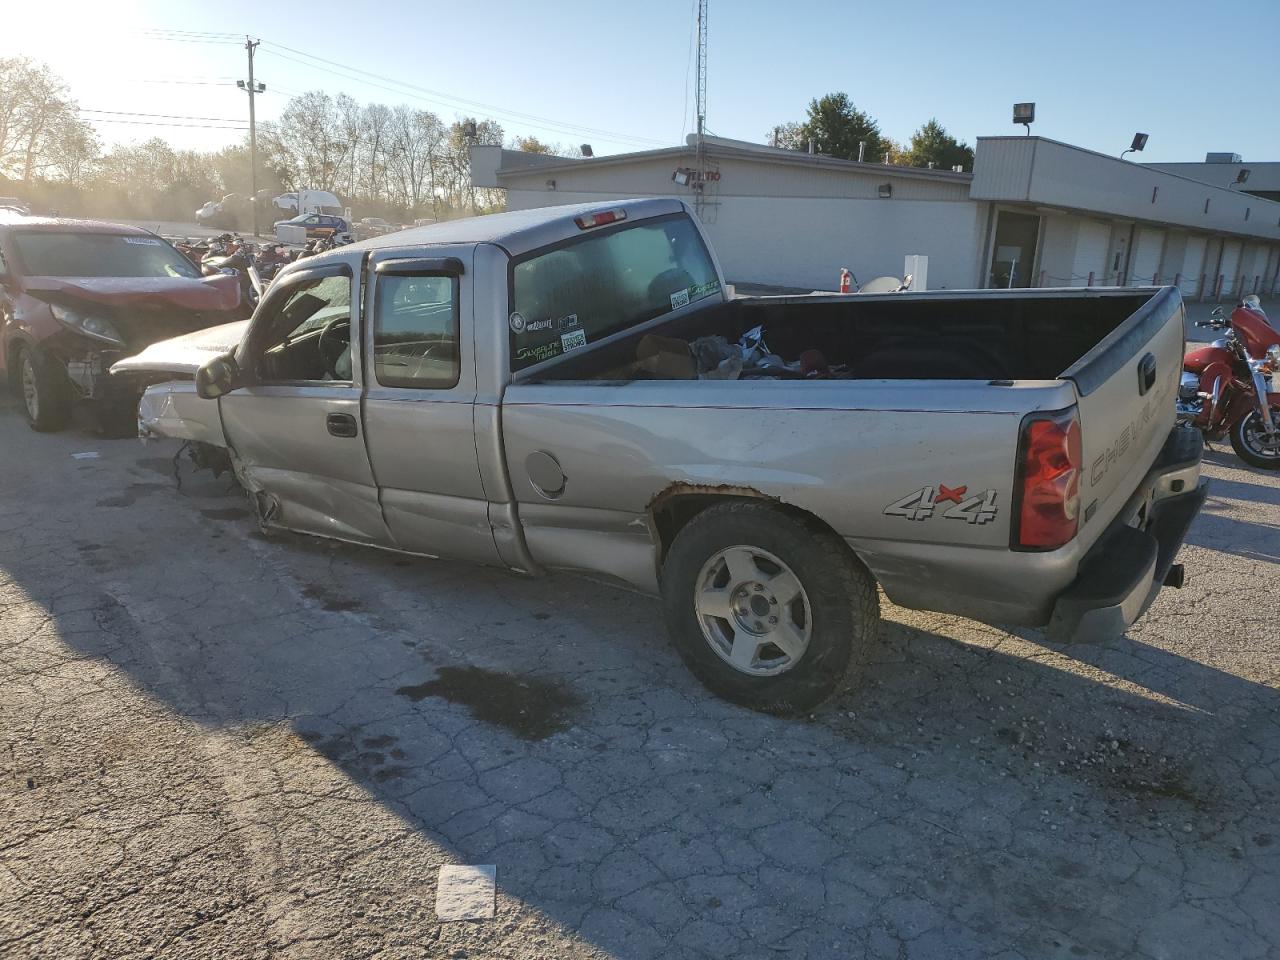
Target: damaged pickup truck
(77, 295)
(573, 389)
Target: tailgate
(1127, 386)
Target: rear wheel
(768, 609)
(46, 395)
(1251, 443)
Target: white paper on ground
(87, 455)
(466, 892)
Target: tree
(33, 101)
(836, 128)
(932, 144)
(70, 148)
(532, 144)
(415, 138)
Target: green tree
(932, 144)
(836, 128)
(532, 144)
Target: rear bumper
(1122, 573)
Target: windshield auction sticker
(679, 299)
(145, 241)
(573, 339)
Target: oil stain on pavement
(530, 708)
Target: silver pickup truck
(574, 389)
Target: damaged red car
(77, 295)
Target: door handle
(1146, 374)
(342, 425)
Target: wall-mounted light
(1025, 114)
(681, 177)
(551, 184)
(886, 191)
(586, 150)
(1242, 176)
(1139, 141)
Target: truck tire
(1249, 440)
(43, 388)
(769, 610)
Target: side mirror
(219, 376)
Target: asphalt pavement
(214, 744)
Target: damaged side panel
(174, 410)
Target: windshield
(99, 255)
(583, 291)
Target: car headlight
(87, 324)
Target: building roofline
(743, 150)
(1141, 166)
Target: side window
(577, 293)
(415, 331)
(308, 336)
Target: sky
(620, 76)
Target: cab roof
(519, 231)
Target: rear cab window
(589, 287)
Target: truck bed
(970, 335)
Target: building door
(1091, 251)
(1013, 256)
(1145, 261)
(1229, 268)
(1116, 270)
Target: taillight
(1047, 493)
(587, 221)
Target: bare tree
(70, 149)
(33, 100)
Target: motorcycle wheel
(1249, 440)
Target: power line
(451, 100)
(165, 116)
(176, 39)
(435, 97)
(157, 123)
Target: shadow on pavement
(991, 795)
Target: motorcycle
(229, 254)
(1225, 385)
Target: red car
(77, 295)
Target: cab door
(295, 426)
(420, 396)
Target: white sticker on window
(573, 339)
(516, 322)
(679, 298)
(145, 241)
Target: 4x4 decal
(923, 503)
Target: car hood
(218, 293)
(186, 354)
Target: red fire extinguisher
(846, 280)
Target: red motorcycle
(1225, 387)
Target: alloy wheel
(753, 611)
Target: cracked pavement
(218, 745)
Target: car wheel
(1250, 441)
(768, 609)
(46, 395)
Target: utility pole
(252, 88)
(700, 99)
